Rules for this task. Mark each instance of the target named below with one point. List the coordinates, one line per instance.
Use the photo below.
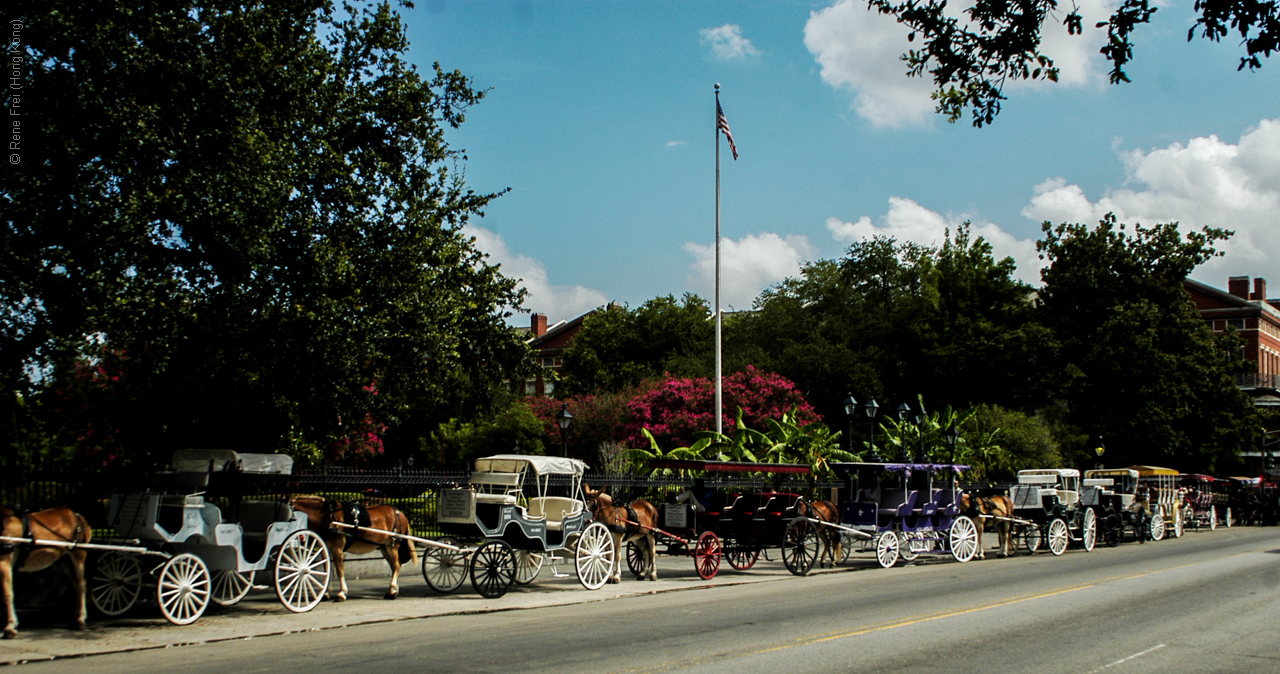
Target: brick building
(548, 344)
(1249, 313)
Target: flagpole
(719, 388)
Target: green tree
(254, 209)
(1142, 369)
(619, 348)
(972, 55)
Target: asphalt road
(1205, 603)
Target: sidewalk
(43, 635)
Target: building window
(1236, 323)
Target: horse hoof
(10, 634)
(77, 626)
(339, 598)
(614, 581)
(390, 595)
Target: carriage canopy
(219, 460)
(730, 466)
(538, 465)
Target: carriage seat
(721, 503)
(495, 487)
(256, 517)
(776, 504)
(903, 509)
(554, 509)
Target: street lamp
(952, 435)
(850, 411)
(920, 417)
(903, 410)
(564, 418)
(1099, 450)
(870, 407)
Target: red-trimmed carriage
(736, 525)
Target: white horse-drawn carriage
(1053, 509)
(195, 552)
(519, 512)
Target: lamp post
(952, 435)
(564, 418)
(920, 417)
(1099, 450)
(903, 410)
(850, 411)
(870, 407)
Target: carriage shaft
(838, 527)
(71, 544)
(410, 537)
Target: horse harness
(23, 550)
(357, 514)
(629, 525)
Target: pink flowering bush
(363, 439)
(676, 408)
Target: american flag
(723, 125)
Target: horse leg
(619, 551)
(339, 568)
(651, 556)
(6, 593)
(392, 555)
(77, 559)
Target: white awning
(540, 465)
(218, 460)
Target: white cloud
(727, 42)
(556, 301)
(860, 50)
(909, 221)
(676, 143)
(748, 266)
(1205, 182)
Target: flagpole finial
(717, 86)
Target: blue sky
(600, 120)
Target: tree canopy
(973, 55)
(251, 213)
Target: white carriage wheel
(847, 541)
(1227, 520)
(963, 539)
(1090, 532)
(116, 583)
(1032, 537)
(887, 549)
(183, 589)
(1213, 518)
(906, 549)
(443, 569)
(1059, 536)
(229, 587)
(302, 571)
(595, 556)
(1179, 522)
(528, 564)
(1157, 524)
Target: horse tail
(407, 552)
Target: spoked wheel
(443, 569)
(706, 555)
(1112, 530)
(302, 571)
(1089, 532)
(1156, 528)
(906, 546)
(493, 569)
(741, 558)
(1213, 518)
(183, 589)
(799, 547)
(229, 587)
(1059, 536)
(595, 556)
(1179, 522)
(635, 560)
(963, 539)
(1031, 537)
(116, 583)
(1228, 521)
(528, 564)
(847, 541)
(887, 549)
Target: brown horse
(323, 513)
(992, 507)
(829, 537)
(53, 524)
(632, 523)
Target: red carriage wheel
(706, 555)
(741, 558)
